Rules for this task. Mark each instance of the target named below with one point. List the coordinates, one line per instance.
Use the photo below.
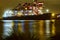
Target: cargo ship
(27, 11)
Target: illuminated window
(8, 13)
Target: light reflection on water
(7, 27)
(35, 26)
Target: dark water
(29, 29)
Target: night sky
(53, 5)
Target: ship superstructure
(25, 9)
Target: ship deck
(46, 16)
